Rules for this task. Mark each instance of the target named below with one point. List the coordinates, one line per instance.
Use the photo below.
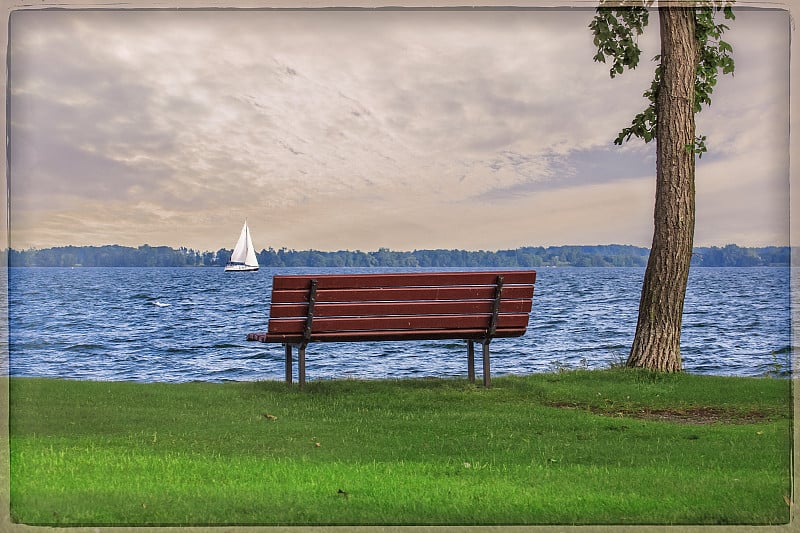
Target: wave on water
(179, 350)
(263, 355)
(153, 300)
(84, 347)
(785, 350)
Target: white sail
(244, 254)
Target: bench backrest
(430, 305)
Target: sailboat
(243, 258)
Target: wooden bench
(472, 306)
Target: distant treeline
(613, 255)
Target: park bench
(470, 306)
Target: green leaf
(615, 33)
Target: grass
(581, 447)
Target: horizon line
(383, 248)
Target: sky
(360, 129)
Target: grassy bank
(614, 446)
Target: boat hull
(241, 268)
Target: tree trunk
(656, 344)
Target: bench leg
(301, 365)
(487, 378)
(288, 348)
(471, 360)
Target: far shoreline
(612, 255)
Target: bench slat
(405, 323)
(514, 292)
(387, 335)
(411, 279)
(368, 309)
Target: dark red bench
(473, 306)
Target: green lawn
(587, 447)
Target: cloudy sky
(405, 129)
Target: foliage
(735, 256)
(548, 448)
(613, 255)
(616, 30)
(116, 256)
(528, 257)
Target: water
(177, 325)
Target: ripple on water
(190, 324)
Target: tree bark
(656, 344)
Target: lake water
(176, 325)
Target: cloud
(343, 128)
